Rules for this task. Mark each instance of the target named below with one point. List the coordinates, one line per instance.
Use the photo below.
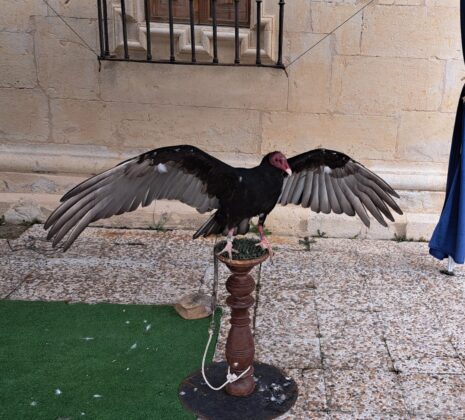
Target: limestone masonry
(383, 89)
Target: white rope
(230, 377)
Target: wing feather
(314, 202)
(287, 188)
(182, 173)
(333, 201)
(298, 188)
(307, 189)
(326, 181)
(371, 207)
(377, 200)
(323, 194)
(341, 198)
(346, 187)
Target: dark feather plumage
(323, 180)
(332, 181)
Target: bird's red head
(278, 160)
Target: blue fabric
(449, 236)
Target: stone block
(384, 86)
(402, 2)
(288, 220)
(24, 212)
(422, 202)
(194, 306)
(421, 226)
(81, 122)
(455, 73)
(345, 226)
(396, 229)
(17, 182)
(362, 137)
(215, 129)
(299, 17)
(216, 87)
(66, 68)
(75, 8)
(442, 3)
(425, 136)
(24, 115)
(327, 16)
(17, 64)
(16, 15)
(310, 76)
(411, 31)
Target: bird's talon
(264, 244)
(228, 249)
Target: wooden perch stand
(240, 348)
(263, 392)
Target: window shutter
(225, 12)
(160, 10)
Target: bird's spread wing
(183, 173)
(326, 181)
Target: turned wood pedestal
(240, 348)
(263, 392)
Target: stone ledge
(86, 160)
(287, 221)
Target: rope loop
(230, 377)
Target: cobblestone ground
(368, 329)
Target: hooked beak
(288, 171)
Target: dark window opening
(202, 12)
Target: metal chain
(257, 297)
(214, 295)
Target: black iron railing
(105, 50)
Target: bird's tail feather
(210, 227)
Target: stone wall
(383, 89)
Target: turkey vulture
(323, 180)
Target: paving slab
(437, 396)
(368, 329)
(416, 332)
(366, 392)
(352, 340)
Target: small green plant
(306, 242)
(160, 225)
(254, 229)
(402, 238)
(320, 234)
(399, 238)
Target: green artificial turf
(107, 361)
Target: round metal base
(274, 394)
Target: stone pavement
(369, 329)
